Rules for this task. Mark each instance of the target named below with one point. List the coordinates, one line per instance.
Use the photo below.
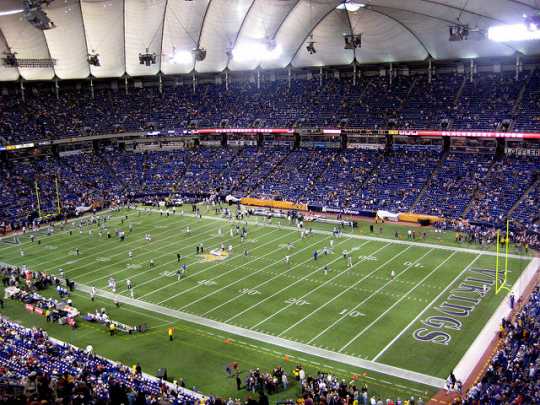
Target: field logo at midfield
(215, 255)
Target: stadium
(227, 202)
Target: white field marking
(210, 267)
(373, 293)
(252, 274)
(99, 251)
(68, 242)
(153, 269)
(273, 340)
(395, 303)
(328, 282)
(293, 284)
(426, 308)
(225, 273)
(270, 279)
(173, 320)
(144, 254)
(347, 290)
(217, 263)
(20, 234)
(384, 240)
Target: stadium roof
(118, 30)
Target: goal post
(57, 202)
(501, 285)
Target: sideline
(274, 340)
(372, 238)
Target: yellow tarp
(283, 205)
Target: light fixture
(256, 51)
(458, 33)
(182, 57)
(147, 58)
(34, 14)
(10, 12)
(93, 59)
(352, 41)
(512, 32)
(199, 54)
(311, 48)
(350, 5)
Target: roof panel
(104, 27)
(67, 42)
(182, 26)
(263, 21)
(220, 27)
(27, 42)
(143, 30)
(329, 43)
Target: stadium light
(10, 12)
(513, 32)
(256, 51)
(182, 58)
(351, 6)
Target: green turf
(356, 311)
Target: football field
(385, 307)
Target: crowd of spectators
(37, 369)
(513, 374)
(477, 187)
(408, 101)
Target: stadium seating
(48, 369)
(411, 101)
(512, 375)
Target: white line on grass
(211, 267)
(102, 252)
(293, 284)
(70, 242)
(249, 275)
(426, 308)
(348, 289)
(153, 269)
(144, 246)
(276, 341)
(386, 240)
(394, 304)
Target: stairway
(533, 185)
(271, 173)
(460, 91)
(519, 98)
(474, 194)
(427, 184)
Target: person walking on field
(170, 332)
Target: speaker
(162, 373)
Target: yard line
(143, 254)
(290, 285)
(394, 304)
(191, 275)
(63, 258)
(211, 267)
(329, 281)
(273, 340)
(348, 289)
(153, 269)
(114, 248)
(426, 308)
(249, 275)
(385, 240)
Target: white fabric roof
(118, 30)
